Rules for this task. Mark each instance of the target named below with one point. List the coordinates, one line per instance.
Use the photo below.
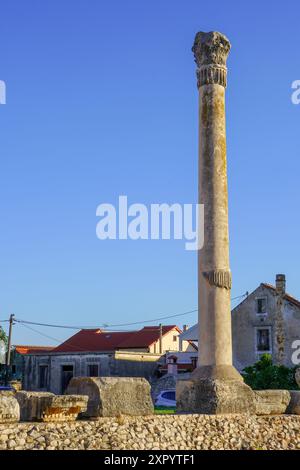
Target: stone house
(17, 358)
(266, 321)
(101, 353)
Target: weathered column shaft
(214, 276)
(215, 385)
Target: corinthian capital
(211, 51)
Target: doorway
(67, 372)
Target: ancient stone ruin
(113, 396)
(9, 409)
(45, 406)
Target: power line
(50, 325)
(59, 341)
(108, 325)
(40, 333)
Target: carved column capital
(211, 51)
(219, 278)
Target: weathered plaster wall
(282, 317)
(108, 366)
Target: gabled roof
(22, 349)
(191, 334)
(146, 336)
(286, 296)
(98, 340)
(93, 340)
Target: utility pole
(11, 322)
(160, 338)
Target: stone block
(113, 396)
(214, 396)
(294, 405)
(45, 406)
(9, 409)
(271, 402)
(7, 393)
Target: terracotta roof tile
(146, 336)
(101, 340)
(22, 349)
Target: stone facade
(267, 321)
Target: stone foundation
(178, 432)
(214, 396)
(113, 396)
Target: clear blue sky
(102, 101)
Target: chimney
(280, 284)
(172, 365)
(185, 327)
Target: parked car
(166, 398)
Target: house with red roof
(17, 357)
(98, 352)
(147, 339)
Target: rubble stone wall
(173, 432)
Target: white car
(166, 398)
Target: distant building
(101, 353)
(18, 358)
(267, 321)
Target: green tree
(266, 375)
(3, 336)
(3, 341)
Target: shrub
(266, 375)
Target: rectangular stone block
(114, 396)
(9, 409)
(271, 402)
(214, 396)
(45, 406)
(294, 405)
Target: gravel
(164, 432)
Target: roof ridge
(286, 296)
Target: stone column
(214, 277)
(216, 386)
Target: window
(263, 340)
(261, 305)
(93, 370)
(174, 338)
(168, 395)
(43, 376)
